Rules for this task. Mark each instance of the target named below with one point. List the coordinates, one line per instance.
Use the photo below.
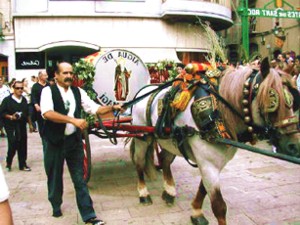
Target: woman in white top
(5, 210)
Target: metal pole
(257, 150)
(243, 11)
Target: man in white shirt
(61, 106)
(5, 210)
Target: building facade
(36, 34)
(268, 34)
(47, 31)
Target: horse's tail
(149, 167)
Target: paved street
(258, 190)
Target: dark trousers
(1, 124)
(32, 115)
(70, 151)
(17, 142)
(40, 121)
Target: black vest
(54, 132)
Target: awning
(60, 44)
(69, 43)
(153, 55)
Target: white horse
(209, 156)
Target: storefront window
(30, 60)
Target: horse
(249, 104)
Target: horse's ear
(265, 67)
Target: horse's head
(277, 100)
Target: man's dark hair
(56, 65)
(17, 82)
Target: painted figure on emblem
(121, 80)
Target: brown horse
(260, 102)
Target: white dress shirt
(46, 104)
(4, 192)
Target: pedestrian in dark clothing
(36, 98)
(14, 111)
(4, 92)
(61, 106)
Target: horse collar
(250, 90)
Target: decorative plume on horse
(246, 105)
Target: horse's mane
(231, 89)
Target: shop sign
(120, 74)
(274, 13)
(30, 60)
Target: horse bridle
(250, 91)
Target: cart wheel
(87, 156)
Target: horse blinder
(296, 97)
(273, 101)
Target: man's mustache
(68, 79)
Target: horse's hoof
(199, 220)
(146, 200)
(169, 199)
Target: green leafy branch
(84, 77)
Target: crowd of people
(288, 62)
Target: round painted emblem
(120, 74)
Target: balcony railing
(217, 12)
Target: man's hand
(109, 108)
(118, 108)
(37, 107)
(80, 123)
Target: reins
(112, 135)
(160, 87)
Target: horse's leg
(219, 206)
(197, 216)
(139, 150)
(211, 181)
(169, 192)
(157, 153)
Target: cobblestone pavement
(258, 190)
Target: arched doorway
(70, 51)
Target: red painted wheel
(87, 165)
